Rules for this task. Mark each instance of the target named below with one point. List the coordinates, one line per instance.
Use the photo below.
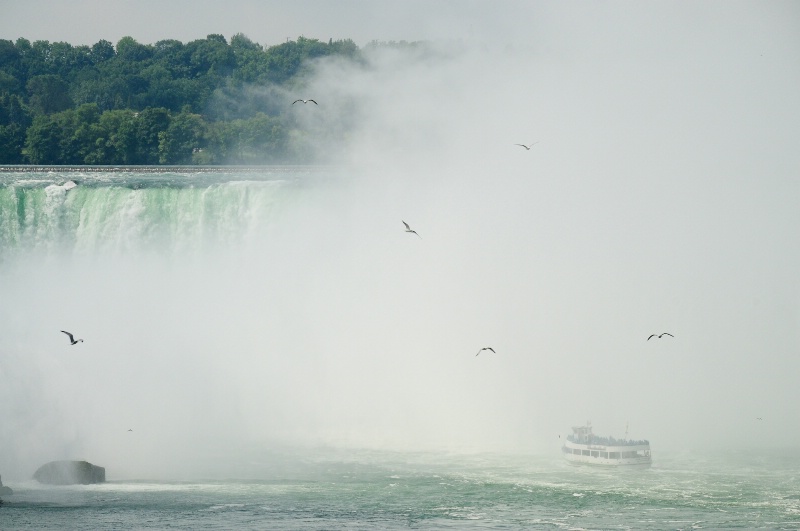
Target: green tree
(35, 57)
(165, 91)
(10, 59)
(81, 132)
(257, 140)
(8, 83)
(102, 51)
(62, 138)
(173, 56)
(184, 136)
(149, 124)
(13, 111)
(241, 42)
(12, 142)
(43, 141)
(14, 121)
(66, 60)
(285, 60)
(139, 104)
(130, 50)
(346, 48)
(115, 140)
(48, 94)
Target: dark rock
(5, 490)
(70, 473)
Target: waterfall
(134, 213)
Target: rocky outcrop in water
(5, 490)
(70, 473)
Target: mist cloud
(661, 197)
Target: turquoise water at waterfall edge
(122, 258)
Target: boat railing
(606, 441)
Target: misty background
(662, 195)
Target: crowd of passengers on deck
(606, 441)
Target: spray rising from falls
(172, 280)
(218, 311)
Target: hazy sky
(663, 195)
(267, 22)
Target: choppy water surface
(383, 490)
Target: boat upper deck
(584, 435)
(606, 441)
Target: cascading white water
(102, 216)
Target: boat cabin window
(585, 452)
(613, 455)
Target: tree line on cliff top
(208, 101)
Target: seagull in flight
(305, 101)
(527, 147)
(130, 430)
(659, 335)
(72, 340)
(409, 229)
(485, 348)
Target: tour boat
(583, 447)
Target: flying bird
(485, 348)
(305, 101)
(659, 335)
(759, 418)
(130, 430)
(72, 340)
(527, 147)
(409, 229)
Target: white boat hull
(607, 456)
